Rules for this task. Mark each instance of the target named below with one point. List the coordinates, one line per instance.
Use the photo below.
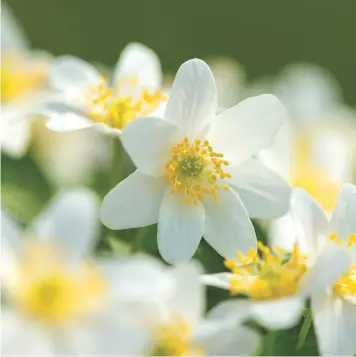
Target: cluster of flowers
(201, 172)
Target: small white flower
(172, 319)
(59, 301)
(92, 100)
(195, 175)
(276, 283)
(23, 84)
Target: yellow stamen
(194, 171)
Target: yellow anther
(333, 236)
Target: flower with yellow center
(55, 291)
(90, 99)
(195, 175)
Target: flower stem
(136, 243)
(269, 342)
(117, 164)
(304, 330)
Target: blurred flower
(174, 324)
(277, 282)
(60, 301)
(195, 176)
(93, 100)
(23, 84)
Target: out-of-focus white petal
(263, 192)
(192, 101)
(278, 314)
(139, 61)
(228, 228)
(335, 325)
(246, 128)
(343, 220)
(73, 75)
(180, 228)
(310, 221)
(149, 141)
(219, 280)
(188, 296)
(237, 310)
(134, 202)
(332, 262)
(71, 220)
(68, 121)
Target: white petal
(219, 280)
(278, 314)
(188, 296)
(134, 202)
(237, 310)
(263, 192)
(71, 219)
(192, 101)
(73, 75)
(180, 228)
(67, 121)
(332, 262)
(228, 228)
(246, 128)
(137, 60)
(335, 325)
(343, 220)
(311, 221)
(149, 141)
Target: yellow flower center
(195, 169)
(263, 275)
(104, 106)
(174, 339)
(19, 77)
(52, 292)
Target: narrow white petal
(278, 314)
(134, 202)
(228, 228)
(192, 101)
(335, 325)
(311, 221)
(219, 280)
(180, 228)
(149, 141)
(246, 128)
(264, 193)
(72, 75)
(139, 61)
(70, 220)
(188, 296)
(343, 220)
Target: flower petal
(237, 310)
(335, 325)
(219, 280)
(63, 121)
(228, 228)
(149, 141)
(278, 314)
(72, 75)
(180, 228)
(343, 220)
(247, 127)
(134, 202)
(193, 101)
(264, 193)
(139, 61)
(70, 220)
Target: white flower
(23, 84)
(58, 300)
(195, 175)
(277, 283)
(92, 100)
(172, 319)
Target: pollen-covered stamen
(116, 111)
(265, 275)
(195, 170)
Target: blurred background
(250, 46)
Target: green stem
(136, 243)
(269, 342)
(117, 164)
(304, 330)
